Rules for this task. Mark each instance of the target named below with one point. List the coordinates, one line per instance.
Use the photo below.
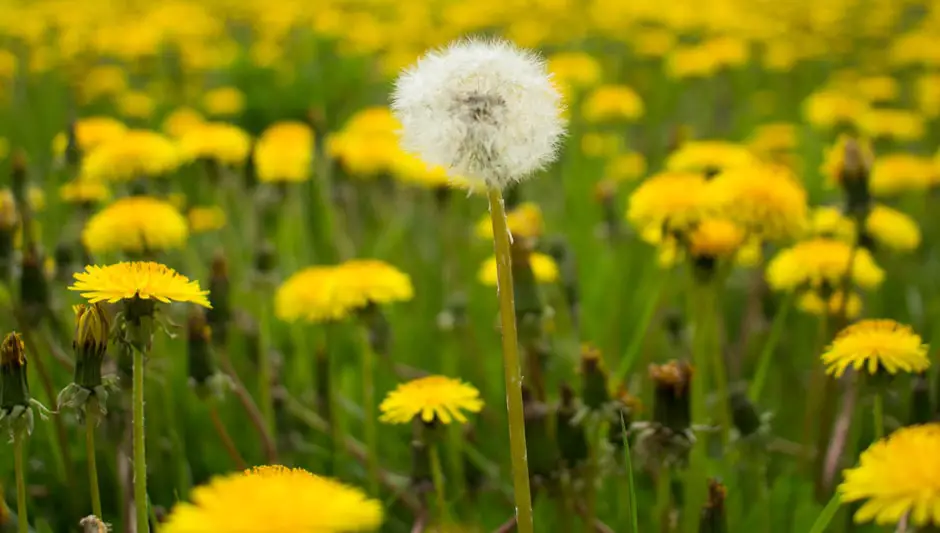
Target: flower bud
(265, 258)
(34, 287)
(713, 518)
(19, 178)
(672, 384)
(199, 335)
(625, 408)
(572, 441)
(219, 315)
(593, 378)
(525, 287)
(92, 330)
(540, 446)
(744, 415)
(854, 176)
(14, 387)
(921, 406)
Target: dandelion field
(229, 242)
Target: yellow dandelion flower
(181, 121)
(674, 200)
(765, 199)
(80, 191)
(412, 170)
(612, 103)
(525, 221)
(90, 132)
(652, 42)
(878, 89)
(367, 145)
(135, 224)
(136, 104)
(284, 153)
(829, 221)
(275, 499)
(770, 139)
(899, 173)
(217, 141)
(433, 398)
(813, 303)
(223, 102)
(829, 108)
(601, 144)
(103, 80)
(927, 91)
(203, 219)
(876, 345)
(137, 279)
(819, 263)
(370, 281)
(136, 154)
(715, 237)
(709, 156)
(693, 61)
(833, 166)
(892, 229)
(899, 124)
(898, 475)
(625, 167)
(543, 267)
(574, 69)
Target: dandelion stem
(368, 407)
(766, 354)
(513, 377)
(879, 414)
(140, 451)
(19, 435)
(264, 370)
(437, 475)
(663, 498)
(227, 441)
(91, 423)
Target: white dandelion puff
(481, 109)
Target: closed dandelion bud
(561, 252)
(572, 440)
(92, 330)
(511, 196)
(526, 289)
(18, 177)
(64, 257)
(266, 258)
(14, 387)
(220, 313)
(605, 192)
(250, 172)
(34, 288)
(854, 178)
(199, 336)
(713, 518)
(672, 384)
(73, 154)
(594, 391)
(8, 221)
(744, 415)
(626, 407)
(921, 406)
(540, 446)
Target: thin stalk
(437, 475)
(140, 450)
(227, 441)
(663, 499)
(825, 517)
(23, 520)
(639, 334)
(695, 482)
(513, 378)
(628, 462)
(766, 354)
(368, 407)
(91, 423)
(264, 371)
(251, 409)
(879, 415)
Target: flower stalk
(368, 404)
(91, 422)
(513, 377)
(19, 436)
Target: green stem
(513, 378)
(140, 451)
(663, 499)
(437, 475)
(264, 371)
(639, 335)
(766, 354)
(91, 423)
(23, 519)
(368, 405)
(879, 415)
(825, 517)
(701, 311)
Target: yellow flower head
(136, 154)
(223, 102)
(709, 156)
(543, 267)
(652, 42)
(612, 103)
(411, 169)
(368, 143)
(89, 133)
(284, 152)
(898, 475)
(103, 80)
(829, 108)
(574, 69)
(892, 229)
(878, 89)
(671, 200)
(812, 302)
(203, 219)
(833, 167)
(217, 141)
(625, 167)
(899, 173)
(136, 104)
(928, 95)
(773, 138)
(181, 121)
(135, 224)
(694, 61)
(899, 124)
(876, 345)
(434, 398)
(275, 499)
(715, 237)
(819, 263)
(525, 221)
(137, 279)
(828, 221)
(82, 191)
(326, 293)
(764, 199)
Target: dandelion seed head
(483, 109)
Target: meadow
(241, 293)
